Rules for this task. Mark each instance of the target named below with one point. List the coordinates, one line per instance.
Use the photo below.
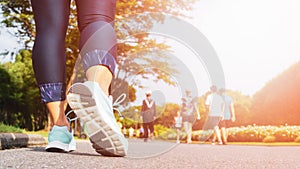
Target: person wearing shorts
(229, 114)
(178, 125)
(215, 105)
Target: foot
(95, 109)
(59, 140)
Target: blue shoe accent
(59, 139)
(72, 144)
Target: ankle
(101, 75)
(62, 123)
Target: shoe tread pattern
(104, 140)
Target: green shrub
(249, 133)
(258, 133)
(202, 135)
(269, 139)
(297, 140)
(162, 132)
(9, 129)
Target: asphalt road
(158, 154)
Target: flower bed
(241, 134)
(259, 133)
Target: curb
(17, 140)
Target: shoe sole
(72, 146)
(58, 147)
(103, 138)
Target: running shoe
(72, 144)
(59, 139)
(95, 109)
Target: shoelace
(115, 106)
(118, 102)
(71, 119)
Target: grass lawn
(43, 133)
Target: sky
(7, 43)
(255, 40)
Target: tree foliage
(21, 105)
(242, 106)
(133, 53)
(277, 103)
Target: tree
(133, 55)
(277, 103)
(6, 90)
(242, 106)
(18, 14)
(22, 101)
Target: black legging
(49, 56)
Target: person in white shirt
(215, 105)
(178, 126)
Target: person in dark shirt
(148, 115)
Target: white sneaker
(95, 109)
(72, 144)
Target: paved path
(157, 154)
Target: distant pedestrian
(131, 132)
(215, 105)
(142, 132)
(148, 113)
(229, 114)
(188, 110)
(178, 126)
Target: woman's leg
(98, 52)
(51, 19)
(98, 40)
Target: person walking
(215, 105)
(188, 110)
(89, 100)
(148, 113)
(229, 114)
(178, 125)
